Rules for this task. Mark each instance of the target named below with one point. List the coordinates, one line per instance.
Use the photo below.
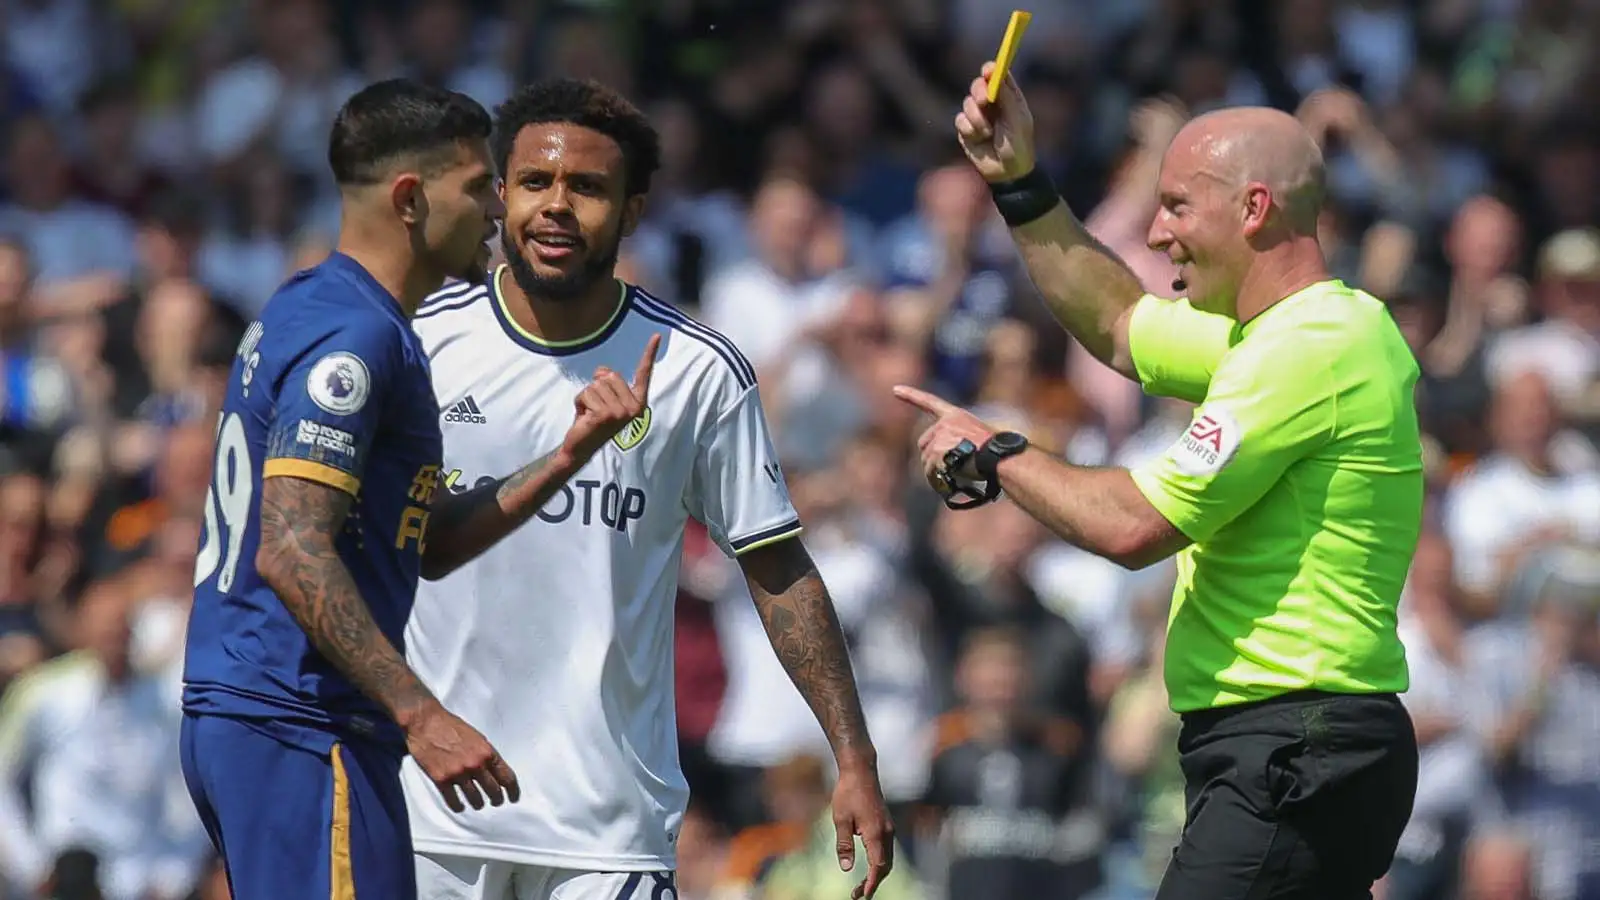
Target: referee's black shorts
(1301, 796)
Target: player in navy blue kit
(325, 508)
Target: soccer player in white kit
(559, 640)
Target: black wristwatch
(996, 448)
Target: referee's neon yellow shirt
(1299, 482)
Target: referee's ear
(1258, 202)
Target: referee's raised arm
(1293, 500)
(1088, 289)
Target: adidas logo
(467, 411)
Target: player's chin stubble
(561, 288)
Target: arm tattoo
(461, 526)
(299, 521)
(804, 629)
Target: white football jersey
(557, 643)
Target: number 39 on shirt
(227, 506)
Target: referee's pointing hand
(951, 426)
(997, 137)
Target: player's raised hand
(608, 404)
(997, 137)
(458, 758)
(859, 809)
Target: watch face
(1009, 441)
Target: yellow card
(1008, 51)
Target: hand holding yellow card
(1008, 51)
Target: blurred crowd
(164, 169)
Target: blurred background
(164, 169)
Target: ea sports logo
(1212, 439)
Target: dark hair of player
(587, 104)
(401, 120)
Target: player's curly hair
(588, 104)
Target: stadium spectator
(760, 302)
(1564, 346)
(1010, 806)
(23, 642)
(1520, 497)
(1539, 720)
(67, 237)
(89, 736)
(948, 274)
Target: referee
(1293, 501)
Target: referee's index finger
(923, 400)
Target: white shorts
(441, 877)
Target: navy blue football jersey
(332, 385)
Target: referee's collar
(1327, 284)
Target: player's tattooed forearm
(518, 482)
(805, 633)
(461, 526)
(299, 523)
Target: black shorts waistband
(1202, 720)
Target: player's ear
(409, 199)
(632, 213)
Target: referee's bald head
(1237, 185)
(1247, 144)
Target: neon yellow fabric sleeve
(1176, 348)
(1260, 417)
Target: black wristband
(1025, 199)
